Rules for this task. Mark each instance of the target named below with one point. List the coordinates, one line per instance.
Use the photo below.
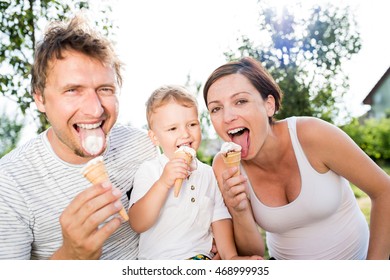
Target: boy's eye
(194, 124)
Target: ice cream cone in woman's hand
(231, 154)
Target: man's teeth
(89, 125)
(234, 131)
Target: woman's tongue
(242, 139)
(92, 140)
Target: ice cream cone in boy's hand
(95, 171)
(231, 154)
(188, 154)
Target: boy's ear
(153, 137)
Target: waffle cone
(96, 173)
(179, 181)
(233, 159)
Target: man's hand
(83, 238)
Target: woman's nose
(229, 115)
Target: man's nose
(92, 104)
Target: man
(48, 210)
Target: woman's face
(239, 113)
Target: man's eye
(106, 91)
(71, 90)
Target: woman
(294, 173)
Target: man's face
(81, 103)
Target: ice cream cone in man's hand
(188, 154)
(95, 171)
(231, 154)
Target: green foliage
(305, 56)
(21, 25)
(9, 133)
(372, 136)
(203, 157)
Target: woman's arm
(328, 147)
(247, 236)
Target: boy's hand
(175, 169)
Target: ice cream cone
(179, 181)
(233, 159)
(95, 171)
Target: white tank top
(323, 222)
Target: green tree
(9, 133)
(21, 24)
(372, 135)
(305, 56)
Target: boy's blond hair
(164, 94)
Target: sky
(162, 42)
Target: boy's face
(81, 103)
(174, 125)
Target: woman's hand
(234, 190)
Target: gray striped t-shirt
(36, 186)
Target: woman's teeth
(236, 130)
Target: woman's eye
(214, 110)
(241, 101)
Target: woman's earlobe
(270, 105)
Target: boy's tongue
(243, 141)
(92, 140)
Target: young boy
(179, 227)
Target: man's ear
(270, 105)
(39, 101)
(153, 137)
